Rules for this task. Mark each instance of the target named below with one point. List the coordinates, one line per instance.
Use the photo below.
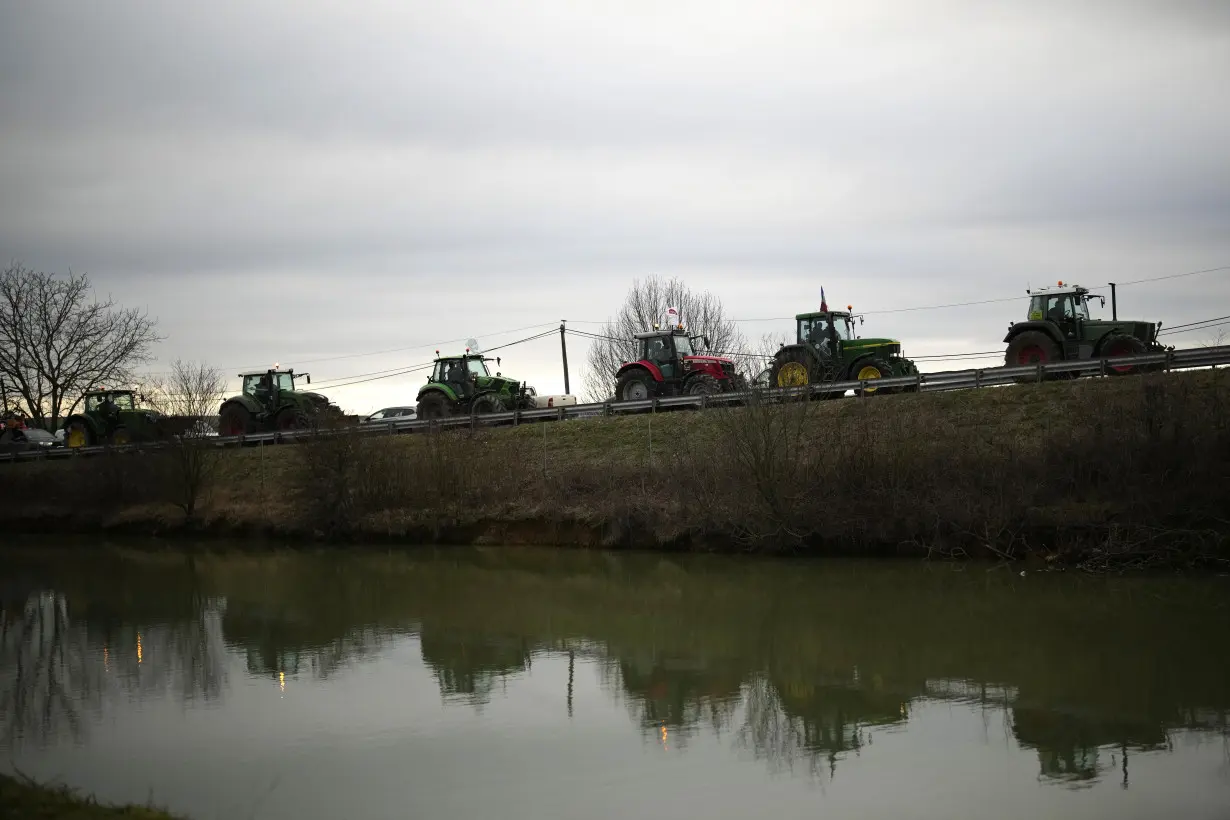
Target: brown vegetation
(1104, 473)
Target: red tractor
(669, 366)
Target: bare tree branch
(646, 303)
(57, 340)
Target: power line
(1193, 324)
(1173, 276)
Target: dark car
(391, 414)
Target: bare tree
(646, 303)
(192, 393)
(760, 356)
(58, 340)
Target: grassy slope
(29, 801)
(587, 479)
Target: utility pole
(563, 346)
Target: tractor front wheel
(432, 406)
(635, 385)
(292, 419)
(77, 435)
(702, 385)
(487, 403)
(234, 420)
(1120, 344)
(120, 437)
(868, 370)
(1031, 347)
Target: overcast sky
(296, 181)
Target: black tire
(1121, 344)
(635, 385)
(433, 406)
(120, 436)
(702, 385)
(1032, 347)
(873, 368)
(234, 420)
(487, 403)
(292, 418)
(83, 434)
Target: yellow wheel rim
(792, 374)
(76, 437)
(120, 437)
(867, 373)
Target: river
(517, 683)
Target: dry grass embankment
(1104, 472)
(27, 800)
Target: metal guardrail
(925, 383)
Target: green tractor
(269, 401)
(111, 417)
(829, 350)
(462, 385)
(1059, 328)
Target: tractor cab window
(477, 367)
(448, 370)
(1058, 307)
(815, 330)
(683, 346)
(657, 349)
(257, 383)
(123, 401)
(844, 325)
(285, 381)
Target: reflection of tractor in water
(269, 401)
(462, 385)
(670, 366)
(829, 350)
(1059, 328)
(112, 417)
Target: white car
(389, 414)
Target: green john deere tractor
(269, 401)
(462, 385)
(112, 417)
(829, 350)
(1059, 328)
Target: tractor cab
(667, 349)
(460, 370)
(825, 329)
(264, 386)
(109, 402)
(1063, 305)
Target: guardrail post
(516, 418)
(607, 412)
(1039, 365)
(978, 378)
(1169, 359)
(1102, 365)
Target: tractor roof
(1058, 289)
(653, 334)
(100, 390)
(445, 357)
(822, 313)
(289, 370)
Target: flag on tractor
(824, 303)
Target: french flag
(824, 303)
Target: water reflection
(802, 669)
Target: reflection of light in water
(664, 733)
(282, 681)
(138, 647)
(106, 660)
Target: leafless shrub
(193, 393)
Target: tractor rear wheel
(487, 403)
(1032, 347)
(234, 420)
(432, 406)
(869, 369)
(635, 385)
(1120, 344)
(77, 435)
(702, 385)
(792, 368)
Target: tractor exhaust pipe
(1114, 304)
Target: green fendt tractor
(111, 417)
(269, 401)
(1058, 328)
(462, 385)
(829, 350)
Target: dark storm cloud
(546, 153)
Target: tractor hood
(307, 394)
(854, 345)
(708, 360)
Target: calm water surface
(524, 684)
